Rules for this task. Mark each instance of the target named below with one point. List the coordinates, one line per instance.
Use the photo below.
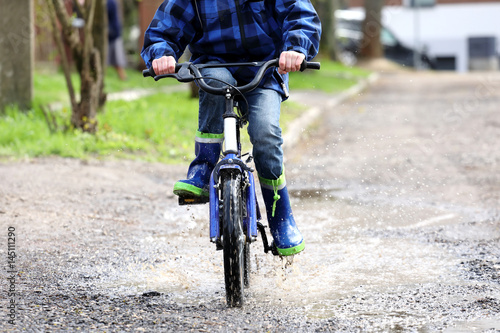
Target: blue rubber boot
(287, 237)
(207, 151)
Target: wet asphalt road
(396, 192)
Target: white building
(444, 30)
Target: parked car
(350, 35)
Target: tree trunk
(370, 45)
(332, 32)
(326, 11)
(16, 53)
(100, 36)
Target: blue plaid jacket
(233, 31)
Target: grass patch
(162, 125)
(142, 129)
(333, 77)
(50, 84)
(135, 80)
(158, 127)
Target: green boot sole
(292, 250)
(187, 190)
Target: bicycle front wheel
(233, 238)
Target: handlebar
(187, 72)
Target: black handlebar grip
(314, 65)
(148, 72)
(309, 65)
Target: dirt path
(396, 192)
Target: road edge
(302, 123)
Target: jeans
(263, 121)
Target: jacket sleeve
(301, 26)
(170, 31)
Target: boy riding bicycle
(237, 31)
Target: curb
(302, 123)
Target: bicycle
(235, 218)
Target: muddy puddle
(352, 248)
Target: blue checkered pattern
(233, 31)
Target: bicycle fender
(214, 199)
(252, 216)
(214, 210)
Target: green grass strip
(158, 127)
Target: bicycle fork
(232, 163)
(251, 214)
(251, 218)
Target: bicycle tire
(233, 238)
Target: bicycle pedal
(193, 200)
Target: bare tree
(326, 11)
(330, 30)
(370, 45)
(100, 36)
(87, 52)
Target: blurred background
(54, 56)
(452, 34)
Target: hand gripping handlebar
(187, 72)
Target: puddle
(344, 257)
(317, 194)
(475, 326)
(190, 274)
(328, 272)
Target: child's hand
(164, 65)
(290, 61)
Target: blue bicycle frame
(232, 162)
